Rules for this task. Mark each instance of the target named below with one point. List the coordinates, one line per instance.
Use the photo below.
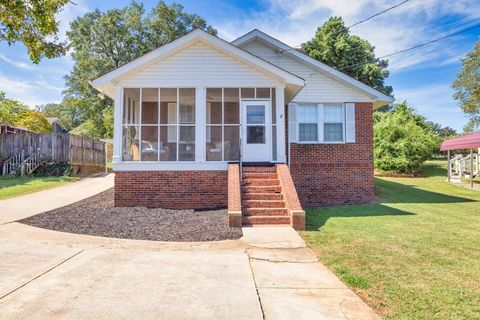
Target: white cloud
(16, 63)
(413, 23)
(32, 93)
(70, 12)
(435, 102)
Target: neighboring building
(187, 111)
(9, 129)
(57, 125)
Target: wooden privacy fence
(78, 151)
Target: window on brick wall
(321, 123)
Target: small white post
(281, 123)
(200, 123)
(471, 168)
(449, 168)
(117, 125)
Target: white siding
(199, 65)
(318, 88)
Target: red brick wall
(329, 174)
(171, 189)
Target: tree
(15, 113)
(33, 23)
(443, 132)
(335, 46)
(467, 88)
(34, 121)
(402, 141)
(72, 112)
(103, 41)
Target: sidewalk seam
(256, 287)
(41, 274)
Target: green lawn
(15, 186)
(413, 255)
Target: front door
(256, 131)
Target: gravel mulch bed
(97, 216)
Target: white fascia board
(103, 81)
(315, 64)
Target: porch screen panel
(223, 124)
(149, 125)
(186, 142)
(231, 128)
(131, 125)
(168, 124)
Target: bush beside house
(403, 140)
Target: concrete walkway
(33, 203)
(293, 284)
(268, 274)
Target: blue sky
(422, 77)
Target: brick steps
(261, 189)
(260, 175)
(263, 203)
(262, 199)
(263, 196)
(265, 212)
(260, 182)
(266, 220)
(259, 169)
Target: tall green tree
(72, 112)
(335, 46)
(16, 113)
(103, 41)
(33, 23)
(467, 88)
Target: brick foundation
(171, 189)
(332, 174)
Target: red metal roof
(468, 141)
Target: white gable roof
(107, 82)
(378, 97)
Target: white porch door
(256, 131)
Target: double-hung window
(321, 123)
(334, 123)
(307, 123)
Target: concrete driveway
(267, 274)
(21, 207)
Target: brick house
(253, 125)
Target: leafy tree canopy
(467, 88)
(334, 45)
(103, 41)
(442, 132)
(33, 23)
(72, 112)
(402, 140)
(16, 113)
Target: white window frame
(321, 122)
(159, 125)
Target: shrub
(402, 141)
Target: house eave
(107, 82)
(376, 96)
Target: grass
(16, 186)
(413, 255)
